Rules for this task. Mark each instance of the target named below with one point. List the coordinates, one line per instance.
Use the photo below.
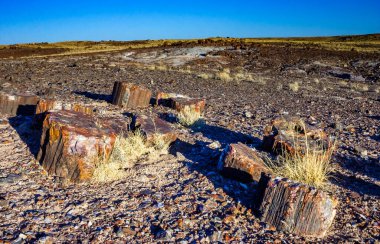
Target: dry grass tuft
(224, 75)
(188, 117)
(126, 153)
(310, 167)
(359, 87)
(206, 76)
(295, 86)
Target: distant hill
(360, 43)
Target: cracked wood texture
(130, 95)
(296, 208)
(242, 163)
(71, 142)
(18, 104)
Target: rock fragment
(242, 163)
(294, 207)
(180, 102)
(152, 126)
(291, 135)
(18, 104)
(130, 95)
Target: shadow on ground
(204, 160)
(29, 132)
(95, 96)
(355, 184)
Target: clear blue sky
(60, 20)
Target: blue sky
(51, 21)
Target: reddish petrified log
(71, 142)
(152, 126)
(294, 207)
(180, 102)
(17, 104)
(45, 105)
(242, 163)
(291, 135)
(130, 95)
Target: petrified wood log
(296, 208)
(152, 126)
(45, 105)
(292, 135)
(130, 95)
(180, 102)
(71, 142)
(242, 163)
(18, 104)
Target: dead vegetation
(128, 151)
(309, 163)
(188, 117)
(295, 86)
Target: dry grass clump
(295, 86)
(127, 152)
(311, 166)
(359, 87)
(206, 76)
(224, 75)
(188, 117)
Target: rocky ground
(182, 197)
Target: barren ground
(182, 197)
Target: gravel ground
(182, 197)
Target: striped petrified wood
(180, 102)
(242, 163)
(294, 207)
(45, 105)
(72, 141)
(130, 95)
(18, 104)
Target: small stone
(248, 114)
(214, 145)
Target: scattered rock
(17, 104)
(241, 162)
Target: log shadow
(28, 130)
(355, 184)
(226, 136)
(95, 96)
(368, 167)
(203, 159)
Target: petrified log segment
(291, 135)
(152, 126)
(18, 104)
(296, 208)
(45, 105)
(242, 163)
(71, 142)
(130, 95)
(180, 102)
